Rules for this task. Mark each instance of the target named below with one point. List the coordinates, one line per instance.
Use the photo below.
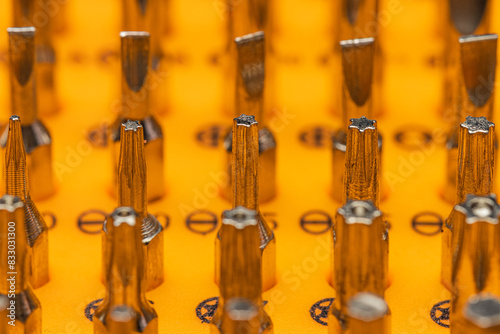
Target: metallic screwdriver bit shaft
(475, 171)
(125, 286)
(360, 252)
(366, 313)
(135, 106)
(470, 16)
(357, 74)
(362, 163)
(241, 267)
(27, 309)
(132, 180)
(37, 141)
(475, 253)
(26, 13)
(16, 184)
(245, 189)
(474, 95)
(476, 158)
(481, 315)
(355, 17)
(250, 101)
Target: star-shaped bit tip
(477, 124)
(240, 217)
(483, 310)
(15, 118)
(480, 208)
(132, 125)
(123, 215)
(359, 212)
(245, 120)
(362, 124)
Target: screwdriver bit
(245, 188)
(135, 106)
(26, 316)
(240, 316)
(124, 308)
(360, 252)
(481, 315)
(37, 141)
(358, 20)
(17, 184)
(366, 313)
(250, 101)
(475, 171)
(362, 164)
(26, 13)
(475, 253)
(132, 180)
(140, 15)
(474, 95)
(466, 18)
(240, 270)
(357, 101)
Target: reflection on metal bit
(474, 251)
(132, 180)
(125, 286)
(17, 184)
(361, 240)
(475, 171)
(240, 316)
(467, 16)
(245, 189)
(367, 313)
(26, 13)
(362, 164)
(28, 314)
(250, 101)
(481, 315)
(37, 141)
(135, 106)
(240, 269)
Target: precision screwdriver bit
(250, 101)
(135, 106)
(132, 180)
(26, 315)
(37, 141)
(26, 14)
(481, 315)
(362, 164)
(466, 18)
(140, 15)
(245, 187)
(17, 184)
(475, 253)
(366, 313)
(474, 95)
(360, 252)
(475, 171)
(357, 101)
(240, 273)
(124, 308)
(358, 20)
(240, 316)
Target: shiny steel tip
(477, 124)
(132, 125)
(245, 120)
(359, 212)
(367, 307)
(362, 124)
(240, 217)
(483, 310)
(257, 36)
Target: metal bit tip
(134, 34)
(124, 215)
(357, 42)
(240, 217)
(359, 212)
(245, 120)
(257, 36)
(477, 124)
(483, 310)
(240, 309)
(367, 307)
(10, 203)
(479, 208)
(362, 124)
(132, 125)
